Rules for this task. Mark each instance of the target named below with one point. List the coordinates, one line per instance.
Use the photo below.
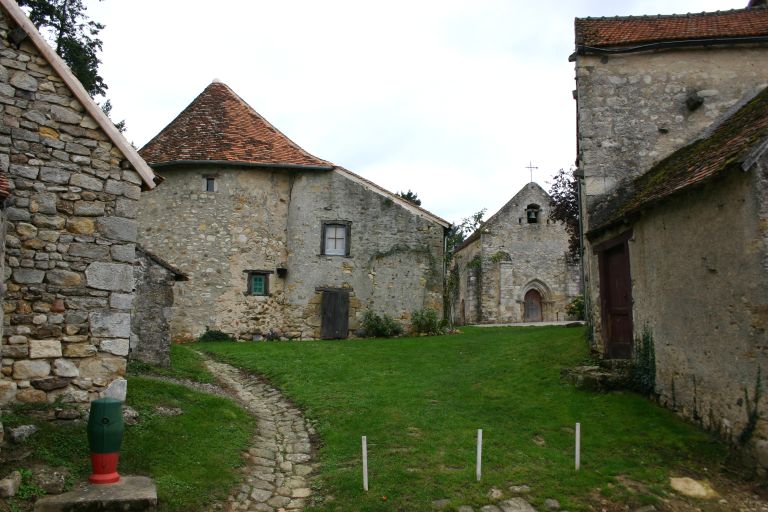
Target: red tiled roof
(632, 30)
(723, 151)
(219, 126)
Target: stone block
(55, 175)
(28, 276)
(65, 115)
(18, 214)
(109, 324)
(50, 383)
(24, 81)
(16, 351)
(79, 350)
(110, 276)
(81, 226)
(43, 202)
(7, 391)
(89, 208)
(87, 182)
(41, 349)
(92, 251)
(116, 346)
(117, 389)
(25, 230)
(121, 300)
(125, 253)
(127, 208)
(30, 369)
(31, 396)
(102, 368)
(9, 485)
(48, 221)
(61, 277)
(65, 368)
(118, 228)
(130, 494)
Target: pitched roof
(635, 30)
(218, 126)
(730, 147)
(479, 231)
(74, 85)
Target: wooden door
(334, 314)
(533, 311)
(616, 301)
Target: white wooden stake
(479, 452)
(578, 446)
(365, 463)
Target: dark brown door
(616, 301)
(532, 306)
(335, 315)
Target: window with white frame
(335, 241)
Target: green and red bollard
(105, 435)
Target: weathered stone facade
(271, 218)
(508, 257)
(71, 230)
(697, 262)
(151, 322)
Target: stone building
(278, 242)
(151, 322)
(515, 267)
(671, 141)
(74, 185)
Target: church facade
(515, 267)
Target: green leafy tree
(75, 38)
(411, 197)
(457, 234)
(565, 208)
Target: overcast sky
(451, 99)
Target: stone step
(130, 494)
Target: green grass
(192, 457)
(185, 364)
(420, 401)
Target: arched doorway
(533, 310)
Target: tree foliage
(411, 197)
(73, 36)
(565, 207)
(457, 234)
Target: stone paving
(279, 463)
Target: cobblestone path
(278, 465)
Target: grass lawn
(421, 400)
(192, 456)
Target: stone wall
(517, 256)
(265, 219)
(632, 108)
(706, 304)
(70, 239)
(152, 309)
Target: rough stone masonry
(71, 236)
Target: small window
(258, 282)
(335, 240)
(532, 213)
(209, 184)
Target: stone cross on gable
(530, 167)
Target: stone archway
(534, 300)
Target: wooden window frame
(213, 182)
(249, 282)
(348, 241)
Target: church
(515, 267)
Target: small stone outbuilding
(278, 243)
(515, 267)
(152, 313)
(74, 185)
(673, 129)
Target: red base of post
(104, 468)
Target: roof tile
(219, 126)
(634, 30)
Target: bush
(214, 335)
(425, 321)
(383, 326)
(575, 308)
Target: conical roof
(219, 126)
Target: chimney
(757, 3)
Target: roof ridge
(668, 16)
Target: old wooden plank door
(334, 314)
(616, 300)
(533, 310)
